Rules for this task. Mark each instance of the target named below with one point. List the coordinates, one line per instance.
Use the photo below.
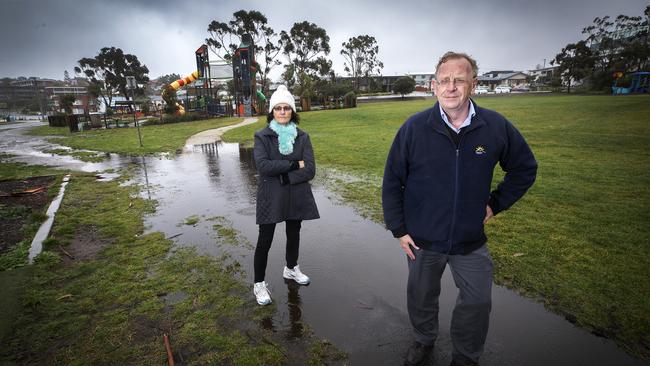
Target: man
(436, 199)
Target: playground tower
(244, 70)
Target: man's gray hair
(450, 55)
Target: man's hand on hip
(406, 243)
(488, 214)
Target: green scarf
(286, 136)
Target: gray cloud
(44, 37)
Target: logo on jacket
(480, 150)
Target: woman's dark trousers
(264, 241)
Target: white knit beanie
(282, 95)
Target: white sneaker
(296, 275)
(262, 294)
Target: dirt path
(214, 135)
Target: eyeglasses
(280, 108)
(457, 82)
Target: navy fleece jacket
(437, 192)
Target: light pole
(131, 85)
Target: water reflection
(247, 163)
(293, 327)
(295, 309)
(146, 176)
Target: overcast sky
(45, 37)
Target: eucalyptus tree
(361, 57)
(305, 46)
(107, 72)
(225, 38)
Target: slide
(181, 83)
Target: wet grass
(155, 138)
(578, 241)
(16, 256)
(227, 234)
(115, 307)
(191, 220)
(12, 170)
(88, 156)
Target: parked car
(481, 90)
(502, 89)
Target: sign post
(131, 85)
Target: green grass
(17, 255)
(191, 220)
(88, 156)
(10, 170)
(227, 234)
(155, 138)
(581, 234)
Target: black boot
(418, 354)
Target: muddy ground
(20, 200)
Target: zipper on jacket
(453, 213)
(453, 216)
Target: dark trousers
(264, 241)
(470, 319)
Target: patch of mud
(87, 244)
(17, 205)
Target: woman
(285, 164)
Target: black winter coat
(278, 199)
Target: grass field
(579, 241)
(155, 138)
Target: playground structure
(247, 99)
(640, 83)
(244, 69)
(179, 84)
(205, 98)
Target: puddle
(107, 177)
(30, 150)
(357, 298)
(44, 230)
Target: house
(511, 78)
(25, 93)
(543, 75)
(83, 104)
(372, 83)
(423, 80)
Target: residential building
(423, 80)
(381, 82)
(83, 104)
(543, 75)
(492, 79)
(25, 93)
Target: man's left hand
(488, 214)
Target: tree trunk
(305, 104)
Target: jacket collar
(439, 125)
